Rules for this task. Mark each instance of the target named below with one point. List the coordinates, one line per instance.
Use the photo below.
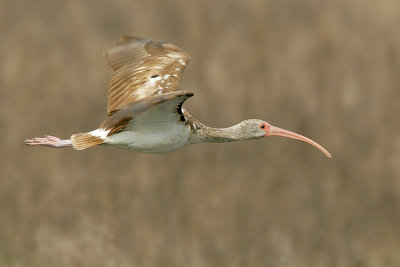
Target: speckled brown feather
(143, 68)
(194, 124)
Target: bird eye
(262, 126)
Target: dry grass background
(327, 69)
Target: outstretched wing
(148, 112)
(143, 68)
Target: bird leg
(50, 141)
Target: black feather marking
(179, 110)
(154, 76)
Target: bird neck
(204, 133)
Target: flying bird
(145, 112)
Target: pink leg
(50, 141)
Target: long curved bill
(285, 133)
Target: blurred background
(329, 70)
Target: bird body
(157, 138)
(145, 112)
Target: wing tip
(172, 95)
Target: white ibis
(145, 110)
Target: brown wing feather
(85, 140)
(143, 68)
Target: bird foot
(48, 140)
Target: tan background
(327, 69)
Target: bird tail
(82, 141)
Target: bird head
(254, 128)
